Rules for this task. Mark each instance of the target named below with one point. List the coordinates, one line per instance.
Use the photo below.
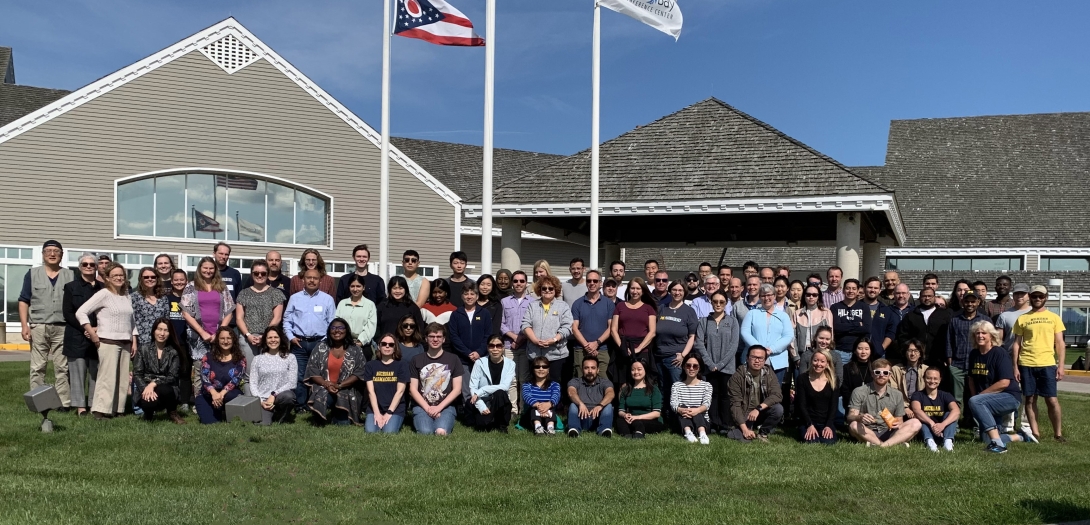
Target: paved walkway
(14, 356)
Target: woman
(908, 377)
(149, 304)
(410, 342)
(961, 286)
(112, 307)
(540, 395)
(675, 331)
(690, 399)
(164, 268)
(770, 327)
(386, 377)
(542, 269)
(940, 301)
(937, 411)
(222, 369)
(781, 286)
(155, 373)
(438, 308)
(335, 366)
(717, 343)
(488, 386)
(207, 306)
(395, 307)
(312, 260)
(360, 312)
(488, 297)
(815, 399)
(794, 294)
(857, 372)
(178, 281)
(993, 387)
(823, 342)
(640, 409)
(547, 326)
(257, 308)
(78, 349)
(633, 326)
(503, 283)
(273, 376)
(810, 317)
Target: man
(650, 268)
(703, 271)
(725, 274)
(959, 342)
(103, 261)
(1039, 353)
(574, 288)
(814, 279)
(661, 293)
(883, 322)
(591, 397)
(591, 318)
(231, 277)
(702, 305)
(616, 271)
(306, 320)
(736, 301)
(981, 289)
(750, 269)
(929, 324)
(435, 385)
(1019, 304)
(514, 341)
(41, 315)
(1002, 300)
(692, 288)
(767, 275)
(374, 288)
(755, 397)
(469, 331)
(931, 281)
(458, 278)
(277, 279)
(865, 411)
(900, 308)
(890, 281)
(410, 263)
(850, 320)
(783, 271)
(833, 293)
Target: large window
(1065, 264)
(1005, 264)
(15, 262)
(220, 206)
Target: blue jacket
(480, 382)
(774, 333)
(467, 337)
(883, 325)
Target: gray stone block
(246, 408)
(42, 398)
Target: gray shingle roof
(799, 258)
(460, 166)
(7, 66)
(16, 101)
(708, 149)
(1001, 163)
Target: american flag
(434, 21)
(236, 183)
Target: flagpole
(489, 104)
(596, 51)
(384, 163)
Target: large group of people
(711, 354)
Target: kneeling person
(591, 401)
(488, 386)
(876, 412)
(755, 396)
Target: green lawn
(133, 472)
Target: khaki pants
(112, 384)
(46, 341)
(603, 361)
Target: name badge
(318, 309)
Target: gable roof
(460, 167)
(710, 149)
(7, 67)
(17, 101)
(202, 42)
(964, 182)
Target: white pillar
(612, 253)
(847, 244)
(489, 97)
(872, 260)
(511, 244)
(596, 52)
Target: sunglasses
(519, 281)
(410, 259)
(692, 280)
(259, 274)
(495, 346)
(408, 325)
(541, 367)
(547, 289)
(594, 281)
(719, 303)
(386, 345)
(881, 372)
(662, 280)
(87, 265)
(692, 367)
(811, 295)
(149, 277)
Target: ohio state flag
(434, 21)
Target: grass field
(134, 472)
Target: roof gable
(461, 166)
(7, 66)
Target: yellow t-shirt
(1038, 331)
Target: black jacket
(933, 335)
(77, 292)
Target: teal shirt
(638, 403)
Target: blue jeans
(668, 375)
(393, 426)
(987, 408)
(604, 421)
(302, 357)
(947, 433)
(426, 425)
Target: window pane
(310, 219)
(206, 203)
(25, 253)
(943, 264)
(1062, 264)
(170, 206)
(915, 263)
(1016, 263)
(992, 264)
(134, 207)
(13, 253)
(246, 214)
(961, 263)
(1075, 321)
(15, 275)
(281, 214)
(891, 263)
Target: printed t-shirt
(386, 378)
(1038, 331)
(436, 375)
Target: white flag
(664, 15)
(250, 229)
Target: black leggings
(719, 411)
(643, 426)
(499, 416)
(166, 400)
(693, 423)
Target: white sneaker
(948, 445)
(1027, 435)
(932, 446)
(703, 439)
(550, 430)
(690, 437)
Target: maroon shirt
(633, 322)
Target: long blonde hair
(216, 283)
(543, 264)
(828, 373)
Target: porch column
(511, 244)
(872, 260)
(847, 244)
(612, 253)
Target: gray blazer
(558, 321)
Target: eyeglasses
(541, 367)
(662, 280)
(692, 367)
(408, 325)
(337, 328)
(881, 372)
(593, 281)
(410, 259)
(719, 302)
(435, 336)
(149, 277)
(810, 295)
(259, 274)
(547, 289)
(386, 345)
(87, 265)
(768, 295)
(495, 346)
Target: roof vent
(229, 54)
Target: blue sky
(831, 74)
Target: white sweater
(271, 373)
(114, 315)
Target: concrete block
(246, 408)
(42, 398)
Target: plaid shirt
(959, 342)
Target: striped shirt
(694, 395)
(532, 394)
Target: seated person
(993, 387)
(222, 370)
(907, 377)
(816, 399)
(640, 407)
(273, 375)
(435, 384)
(867, 423)
(591, 401)
(335, 366)
(937, 411)
(386, 377)
(488, 385)
(540, 395)
(755, 396)
(690, 399)
(155, 373)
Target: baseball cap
(1038, 289)
(969, 294)
(52, 243)
(1020, 288)
(692, 277)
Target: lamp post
(1060, 283)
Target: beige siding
(58, 178)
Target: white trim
(458, 227)
(230, 26)
(1013, 252)
(498, 232)
(834, 203)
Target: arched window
(222, 206)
